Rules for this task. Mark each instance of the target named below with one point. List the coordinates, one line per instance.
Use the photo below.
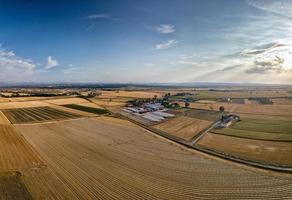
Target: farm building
(227, 120)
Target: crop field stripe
(32, 115)
(87, 109)
(19, 116)
(49, 114)
(37, 113)
(59, 112)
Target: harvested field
(131, 94)
(282, 101)
(277, 153)
(64, 101)
(100, 159)
(87, 109)
(12, 187)
(268, 110)
(263, 129)
(18, 155)
(108, 103)
(269, 126)
(209, 115)
(22, 104)
(89, 104)
(183, 127)
(254, 134)
(36, 114)
(3, 119)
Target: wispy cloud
(51, 63)
(281, 7)
(166, 45)
(99, 16)
(165, 28)
(102, 16)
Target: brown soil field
(272, 110)
(12, 187)
(183, 127)
(101, 159)
(279, 153)
(36, 114)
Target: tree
(187, 104)
(221, 109)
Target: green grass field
(87, 109)
(12, 187)
(259, 129)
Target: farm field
(278, 153)
(263, 129)
(183, 127)
(12, 187)
(36, 114)
(210, 95)
(104, 158)
(203, 114)
(113, 105)
(3, 119)
(98, 111)
(63, 101)
(22, 104)
(23, 171)
(267, 110)
(130, 94)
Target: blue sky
(146, 41)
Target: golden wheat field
(271, 152)
(183, 127)
(268, 110)
(102, 159)
(130, 94)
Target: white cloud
(9, 62)
(165, 28)
(166, 45)
(51, 63)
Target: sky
(154, 41)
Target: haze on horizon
(146, 41)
